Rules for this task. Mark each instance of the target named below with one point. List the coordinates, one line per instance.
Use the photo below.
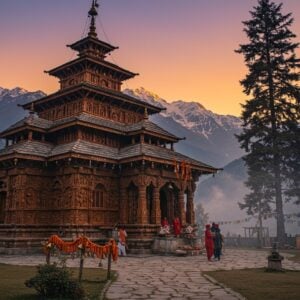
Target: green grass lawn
(256, 284)
(13, 277)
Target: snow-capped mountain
(10, 112)
(209, 136)
(16, 94)
(191, 115)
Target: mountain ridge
(209, 136)
(206, 133)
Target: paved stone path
(167, 277)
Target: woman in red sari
(209, 242)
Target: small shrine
(87, 157)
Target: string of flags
(289, 218)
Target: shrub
(52, 281)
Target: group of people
(165, 226)
(213, 241)
(213, 238)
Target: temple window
(98, 196)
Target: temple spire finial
(93, 13)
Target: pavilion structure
(87, 157)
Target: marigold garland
(83, 242)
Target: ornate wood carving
(60, 111)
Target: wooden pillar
(190, 214)
(142, 205)
(182, 213)
(171, 205)
(123, 206)
(79, 134)
(84, 105)
(156, 208)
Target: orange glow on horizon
(185, 53)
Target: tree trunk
(276, 158)
(260, 235)
(281, 238)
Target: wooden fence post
(82, 252)
(48, 255)
(109, 262)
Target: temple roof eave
(167, 138)
(16, 155)
(72, 154)
(87, 150)
(105, 46)
(126, 74)
(95, 122)
(75, 155)
(97, 90)
(204, 170)
(13, 131)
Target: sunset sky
(182, 49)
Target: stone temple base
(29, 239)
(140, 237)
(175, 246)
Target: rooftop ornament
(93, 13)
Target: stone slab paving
(162, 277)
(168, 277)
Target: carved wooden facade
(87, 156)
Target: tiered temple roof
(90, 118)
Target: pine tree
(271, 116)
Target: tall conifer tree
(271, 116)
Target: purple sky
(183, 49)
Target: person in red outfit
(164, 222)
(177, 226)
(209, 242)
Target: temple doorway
(169, 205)
(2, 206)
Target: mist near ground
(221, 194)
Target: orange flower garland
(83, 242)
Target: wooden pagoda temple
(87, 158)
